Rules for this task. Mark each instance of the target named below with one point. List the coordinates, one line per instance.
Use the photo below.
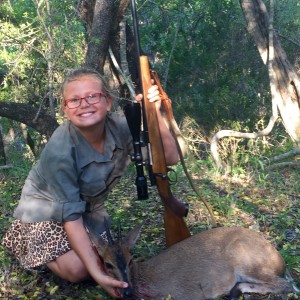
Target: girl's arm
(82, 245)
(170, 148)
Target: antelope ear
(132, 237)
(98, 241)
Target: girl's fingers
(111, 286)
(152, 89)
(139, 97)
(152, 96)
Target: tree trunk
(101, 18)
(2, 150)
(100, 33)
(287, 83)
(27, 137)
(25, 113)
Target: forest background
(214, 71)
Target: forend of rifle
(132, 113)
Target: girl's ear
(108, 103)
(64, 111)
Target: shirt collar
(87, 154)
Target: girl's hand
(152, 96)
(111, 285)
(88, 256)
(170, 147)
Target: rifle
(176, 133)
(174, 211)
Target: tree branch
(274, 93)
(26, 113)
(293, 152)
(286, 79)
(284, 165)
(231, 133)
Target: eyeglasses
(91, 99)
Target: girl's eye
(74, 100)
(91, 97)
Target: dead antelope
(221, 261)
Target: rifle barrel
(174, 211)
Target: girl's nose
(84, 102)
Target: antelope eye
(130, 263)
(108, 266)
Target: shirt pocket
(93, 179)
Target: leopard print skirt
(36, 244)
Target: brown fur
(216, 262)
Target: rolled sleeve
(72, 211)
(38, 205)
(63, 186)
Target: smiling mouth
(86, 114)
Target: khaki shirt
(72, 179)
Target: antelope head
(116, 255)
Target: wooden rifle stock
(176, 134)
(174, 211)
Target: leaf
(53, 290)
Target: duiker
(216, 262)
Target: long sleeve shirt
(72, 179)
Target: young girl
(66, 190)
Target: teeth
(86, 114)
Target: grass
(268, 203)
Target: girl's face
(86, 115)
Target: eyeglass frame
(66, 101)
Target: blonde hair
(75, 74)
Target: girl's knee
(76, 274)
(69, 267)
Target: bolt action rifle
(174, 210)
(167, 103)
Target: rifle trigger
(164, 176)
(174, 180)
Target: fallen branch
(6, 167)
(293, 152)
(231, 133)
(285, 165)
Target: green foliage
(213, 71)
(215, 74)
(38, 43)
(216, 80)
